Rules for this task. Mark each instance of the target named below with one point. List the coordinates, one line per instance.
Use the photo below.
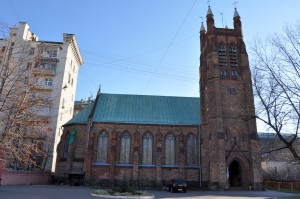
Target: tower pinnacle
(209, 12)
(236, 14)
(202, 27)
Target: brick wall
(135, 172)
(25, 178)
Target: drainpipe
(89, 130)
(199, 141)
(200, 162)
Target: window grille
(222, 55)
(233, 56)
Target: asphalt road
(71, 192)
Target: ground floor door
(235, 174)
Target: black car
(175, 185)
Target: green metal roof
(143, 109)
(82, 117)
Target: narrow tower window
(234, 74)
(223, 73)
(233, 56)
(222, 55)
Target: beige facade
(54, 67)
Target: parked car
(175, 185)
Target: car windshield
(180, 181)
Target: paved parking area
(71, 192)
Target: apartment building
(53, 67)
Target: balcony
(47, 59)
(44, 71)
(43, 88)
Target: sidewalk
(71, 192)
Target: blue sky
(143, 46)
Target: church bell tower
(230, 156)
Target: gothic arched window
(222, 55)
(102, 147)
(223, 73)
(233, 56)
(147, 148)
(234, 74)
(66, 145)
(125, 148)
(170, 149)
(191, 150)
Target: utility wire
(92, 63)
(169, 46)
(14, 9)
(145, 63)
(89, 52)
(145, 71)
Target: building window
(102, 147)
(52, 53)
(125, 149)
(46, 96)
(63, 103)
(34, 95)
(66, 146)
(233, 56)
(223, 73)
(31, 51)
(170, 149)
(191, 150)
(222, 55)
(42, 110)
(29, 64)
(231, 91)
(49, 82)
(51, 66)
(147, 148)
(69, 78)
(234, 74)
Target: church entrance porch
(235, 174)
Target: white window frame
(48, 82)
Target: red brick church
(147, 140)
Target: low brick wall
(25, 178)
(277, 185)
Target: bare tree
(276, 79)
(24, 129)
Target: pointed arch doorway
(235, 174)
